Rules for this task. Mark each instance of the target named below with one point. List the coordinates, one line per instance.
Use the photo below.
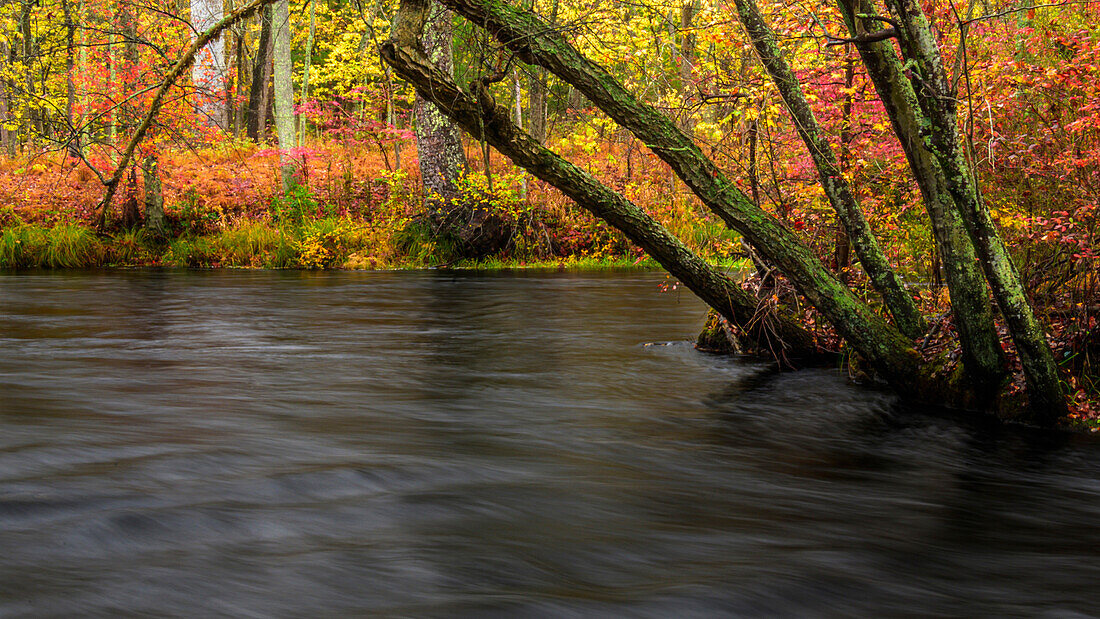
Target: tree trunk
(538, 89)
(154, 196)
(888, 351)
(284, 93)
(901, 306)
(258, 95)
(209, 72)
(73, 138)
(937, 100)
(687, 64)
(970, 305)
(438, 139)
(305, 71)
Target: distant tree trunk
(258, 95)
(7, 139)
(284, 93)
(687, 63)
(32, 112)
(154, 196)
(305, 72)
(131, 213)
(209, 72)
(240, 116)
(438, 139)
(73, 141)
(538, 90)
(843, 250)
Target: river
(421, 444)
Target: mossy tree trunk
(937, 100)
(438, 139)
(970, 304)
(888, 351)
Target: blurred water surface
(511, 444)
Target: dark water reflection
(432, 444)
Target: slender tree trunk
(32, 111)
(131, 213)
(901, 306)
(305, 72)
(937, 100)
(258, 94)
(687, 63)
(842, 254)
(7, 139)
(73, 146)
(209, 72)
(284, 93)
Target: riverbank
(330, 243)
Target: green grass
(62, 246)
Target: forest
(907, 190)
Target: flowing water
(459, 444)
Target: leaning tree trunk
(766, 330)
(937, 100)
(970, 305)
(889, 352)
(836, 187)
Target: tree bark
(154, 196)
(258, 95)
(438, 139)
(305, 71)
(209, 73)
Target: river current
(422, 444)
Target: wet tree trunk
(973, 314)
(478, 114)
(889, 352)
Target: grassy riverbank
(329, 243)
